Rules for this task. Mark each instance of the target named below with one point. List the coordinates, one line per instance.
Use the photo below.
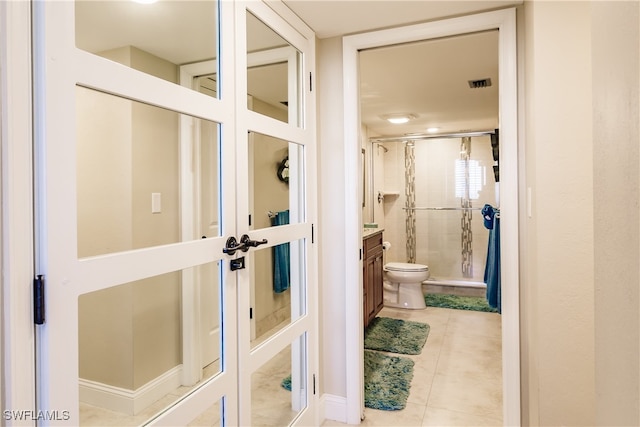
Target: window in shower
(470, 178)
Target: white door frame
(190, 223)
(505, 21)
(17, 360)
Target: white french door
(172, 215)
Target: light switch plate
(156, 203)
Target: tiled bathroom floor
(457, 379)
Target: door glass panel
(278, 288)
(208, 85)
(273, 74)
(211, 417)
(136, 356)
(129, 177)
(279, 388)
(275, 181)
(152, 38)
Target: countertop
(368, 232)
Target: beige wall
(129, 334)
(558, 308)
(580, 292)
(616, 92)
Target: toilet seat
(405, 266)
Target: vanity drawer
(372, 245)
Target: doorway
(504, 22)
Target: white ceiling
(329, 18)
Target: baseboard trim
(126, 401)
(334, 407)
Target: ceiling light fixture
(144, 1)
(399, 118)
(433, 130)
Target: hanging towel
(492, 268)
(281, 263)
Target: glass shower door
(446, 183)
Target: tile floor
(457, 379)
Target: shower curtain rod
(430, 136)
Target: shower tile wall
(438, 233)
(410, 201)
(394, 216)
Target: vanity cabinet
(372, 276)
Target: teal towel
(281, 260)
(492, 268)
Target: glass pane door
(133, 215)
(172, 294)
(277, 336)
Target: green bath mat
(458, 302)
(395, 335)
(387, 380)
(286, 383)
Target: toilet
(403, 285)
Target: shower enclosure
(434, 189)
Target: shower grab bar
(442, 209)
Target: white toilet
(403, 285)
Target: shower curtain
(281, 264)
(491, 218)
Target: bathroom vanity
(372, 273)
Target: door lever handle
(232, 246)
(246, 240)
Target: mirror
(275, 180)
(278, 388)
(128, 175)
(273, 74)
(152, 38)
(133, 356)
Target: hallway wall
(580, 293)
(557, 294)
(616, 132)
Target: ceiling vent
(476, 84)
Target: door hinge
(314, 383)
(310, 82)
(38, 300)
(250, 312)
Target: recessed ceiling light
(433, 130)
(144, 1)
(399, 118)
